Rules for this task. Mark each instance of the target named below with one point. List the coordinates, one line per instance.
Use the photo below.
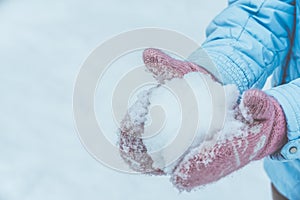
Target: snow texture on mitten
(132, 149)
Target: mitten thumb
(164, 67)
(256, 105)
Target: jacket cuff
(226, 68)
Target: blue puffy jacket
(249, 41)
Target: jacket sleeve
(288, 96)
(248, 40)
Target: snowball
(213, 113)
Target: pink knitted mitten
(264, 134)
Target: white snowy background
(42, 45)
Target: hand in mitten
(263, 134)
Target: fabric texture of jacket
(249, 41)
